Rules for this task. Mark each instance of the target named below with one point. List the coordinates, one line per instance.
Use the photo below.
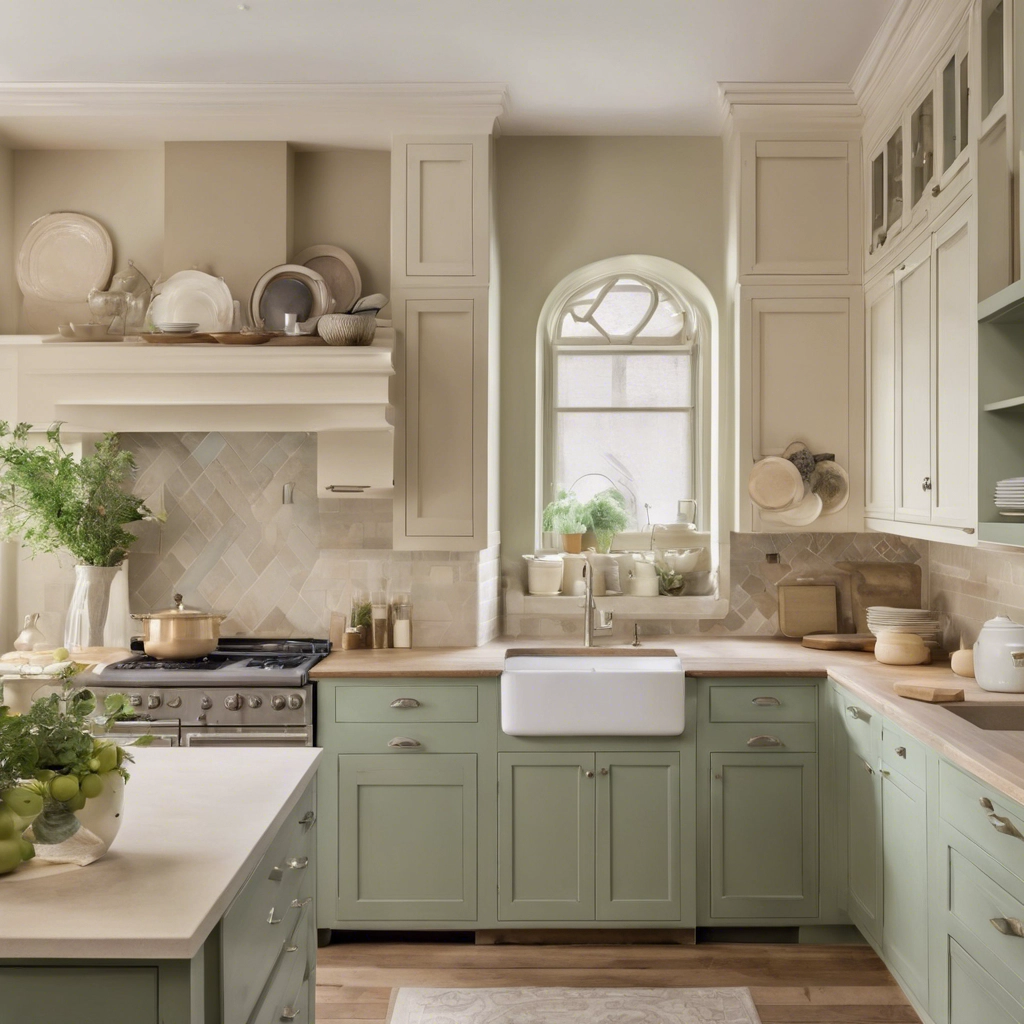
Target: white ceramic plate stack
(1010, 497)
(177, 328)
(194, 299)
(922, 621)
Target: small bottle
(379, 606)
(401, 628)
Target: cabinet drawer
(763, 738)
(763, 702)
(861, 723)
(903, 754)
(405, 739)
(286, 997)
(404, 702)
(974, 995)
(987, 911)
(982, 816)
(265, 914)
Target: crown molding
(805, 104)
(313, 114)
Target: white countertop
(196, 822)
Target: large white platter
(64, 256)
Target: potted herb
(61, 787)
(52, 501)
(606, 515)
(565, 515)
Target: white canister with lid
(994, 664)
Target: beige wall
(343, 197)
(566, 202)
(122, 189)
(226, 209)
(8, 287)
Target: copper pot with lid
(179, 633)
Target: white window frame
(712, 477)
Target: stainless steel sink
(997, 717)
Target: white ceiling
(571, 66)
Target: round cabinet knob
(153, 701)
(135, 699)
(205, 703)
(295, 701)
(174, 702)
(233, 701)
(255, 702)
(277, 702)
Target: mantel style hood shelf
(176, 388)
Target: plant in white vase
(52, 501)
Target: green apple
(91, 785)
(64, 787)
(10, 823)
(76, 803)
(28, 851)
(22, 801)
(10, 855)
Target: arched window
(624, 347)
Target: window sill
(623, 606)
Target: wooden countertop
(996, 758)
(196, 823)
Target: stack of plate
(177, 327)
(1010, 497)
(922, 621)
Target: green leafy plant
(670, 582)
(51, 763)
(606, 515)
(54, 502)
(565, 515)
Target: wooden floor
(790, 984)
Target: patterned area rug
(574, 1006)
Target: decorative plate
(340, 272)
(192, 297)
(289, 288)
(64, 256)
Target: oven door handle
(270, 738)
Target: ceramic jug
(995, 664)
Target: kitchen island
(201, 912)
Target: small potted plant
(565, 515)
(61, 787)
(52, 501)
(606, 515)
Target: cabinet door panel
(880, 418)
(864, 874)
(407, 828)
(546, 837)
(954, 495)
(905, 881)
(638, 837)
(914, 417)
(974, 995)
(764, 835)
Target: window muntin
(623, 383)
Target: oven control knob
(206, 703)
(255, 701)
(135, 699)
(278, 703)
(295, 701)
(233, 701)
(153, 701)
(174, 702)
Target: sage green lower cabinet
(546, 847)
(974, 995)
(905, 880)
(80, 995)
(764, 835)
(407, 837)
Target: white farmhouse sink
(592, 695)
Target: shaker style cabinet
(568, 828)
(880, 399)
(446, 344)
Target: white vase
(90, 603)
(99, 821)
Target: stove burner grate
(208, 663)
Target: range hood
(139, 387)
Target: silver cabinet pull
(901, 752)
(885, 774)
(854, 712)
(404, 703)
(291, 949)
(589, 774)
(1008, 926)
(926, 484)
(302, 903)
(765, 741)
(998, 821)
(403, 741)
(271, 919)
(604, 771)
(289, 1012)
(868, 768)
(297, 863)
(767, 702)
(308, 819)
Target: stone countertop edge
(995, 758)
(174, 868)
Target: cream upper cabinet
(440, 211)
(800, 214)
(447, 360)
(880, 395)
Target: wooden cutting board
(807, 609)
(840, 642)
(929, 694)
(888, 584)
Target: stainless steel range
(249, 692)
